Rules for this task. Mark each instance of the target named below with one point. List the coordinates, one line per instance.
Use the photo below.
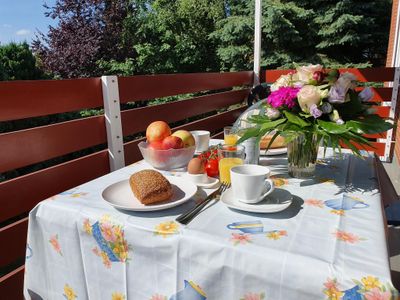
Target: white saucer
(120, 195)
(276, 151)
(278, 200)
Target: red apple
(172, 142)
(157, 131)
(186, 136)
(155, 145)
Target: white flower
(338, 91)
(284, 80)
(307, 96)
(272, 113)
(305, 73)
(339, 121)
(348, 76)
(334, 116)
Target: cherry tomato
(212, 168)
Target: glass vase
(302, 155)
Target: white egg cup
(202, 180)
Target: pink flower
(238, 238)
(314, 202)
(284, 96)
(282, 232)
(346, 237)
(376, 294)
(96, 251)
(56, 245)
(330, 284)
(158, 297)
(108, 232)
(253, 296)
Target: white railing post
(257, 42)
(393, 104)
(112, 113)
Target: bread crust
(279, 142)
(150, 186)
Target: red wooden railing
(27, 99)
(382, 145)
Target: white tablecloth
(79, 247)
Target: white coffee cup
(202, 139)
(251, 183)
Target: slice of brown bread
(150, 186)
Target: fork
(191, 214)
(211, 196)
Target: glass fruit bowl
(166, 159)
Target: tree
(332, 32)
(287, 35)
(18, 63)
(353, 31)
(87, 31)
(125, 37)
(174, 36)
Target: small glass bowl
(166, 159)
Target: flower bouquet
(311, 106)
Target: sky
(20, 19)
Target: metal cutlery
(191, 214)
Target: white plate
(278, 200)
(276, 151)
(120, 195)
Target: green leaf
(272, 124)
(358, 138)
(257, 119)
(249, 133)
(351, 146)
(296, 119)
(331, 127)
(369, 125)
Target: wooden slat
(378, 148)
(26, 99)
(376, 135)
(212, 124)
(382, 111)
(15, 232)
(136, 120)
(11, 285)
(381, 74)
(363, 75)
(146, 87)
(380, 94)
(21, 194)
(219, 135)
(25, 147)
(272, 75)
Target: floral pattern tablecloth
(329, 244)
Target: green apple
(186, 137)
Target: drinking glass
(230, 136)
(229, 156)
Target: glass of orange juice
(230, 137)
(229, 156)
